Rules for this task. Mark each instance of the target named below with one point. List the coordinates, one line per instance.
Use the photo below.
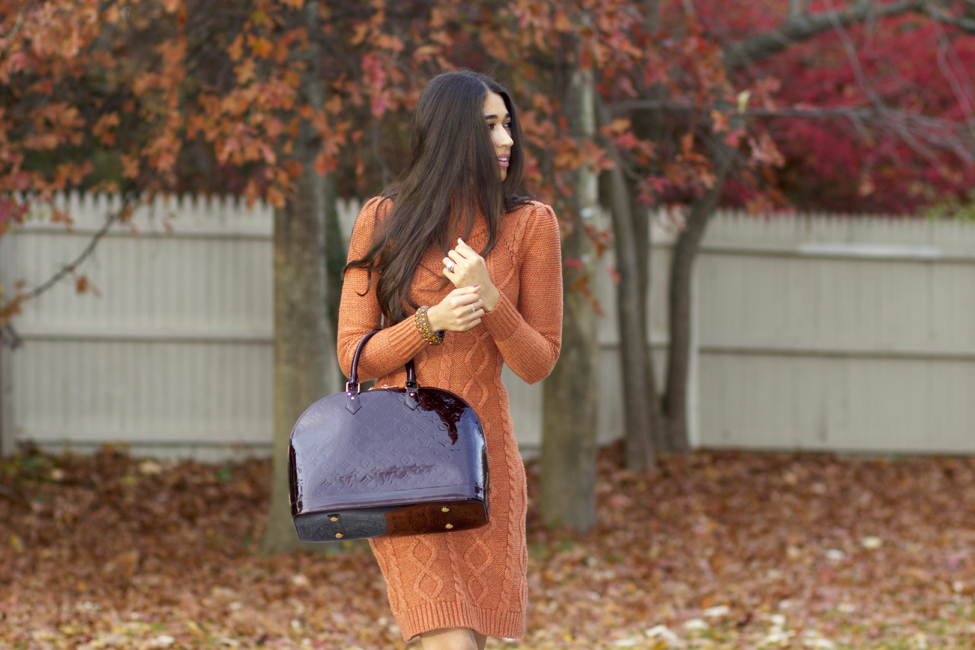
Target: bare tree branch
(799, 27)
(921, 145)
(797, 7)
(939, 14)
(922, 133)
(67, 269)
(78, 261)
(960, 82)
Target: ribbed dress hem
(440, 616)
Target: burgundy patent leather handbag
(387, 461)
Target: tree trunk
(681, 275)
(304, 343)
(641, 407)
(304, 340)
(569, 437)
(335, 253)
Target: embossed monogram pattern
(386, 454)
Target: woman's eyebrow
(494, 117)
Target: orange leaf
(61, 216)
(334, 105)
(130, 166)
(390, 42)
(41, 142)
(562, 23)
(275, 197)
(103, 128)
(720, 121)
(245, 71)
(437, 19)
(581, 284)
(293, 168)
(236, 49)
(324, 164)
(616, 127)
(12, 308)
(260, 46)
(360, 33)
(424, 52)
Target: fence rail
(810, 332)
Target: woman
(463, 275)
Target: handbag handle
(352, 386)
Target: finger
(468, 301)
(465, 304)
(465, 250)
(466, 290)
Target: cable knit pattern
(474, 578)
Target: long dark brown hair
(452, 166)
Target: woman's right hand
(459, 311)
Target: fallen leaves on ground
(715, 550)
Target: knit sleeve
(529, 333)
(360, 313)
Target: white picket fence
(815, 332)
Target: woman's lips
(503, 161)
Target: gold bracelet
(422, 324)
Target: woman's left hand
(465, 268)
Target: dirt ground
(716, 550)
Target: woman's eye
(507, 125)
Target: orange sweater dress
(473, 578)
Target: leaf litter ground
(716, 550)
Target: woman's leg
(455, 638)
